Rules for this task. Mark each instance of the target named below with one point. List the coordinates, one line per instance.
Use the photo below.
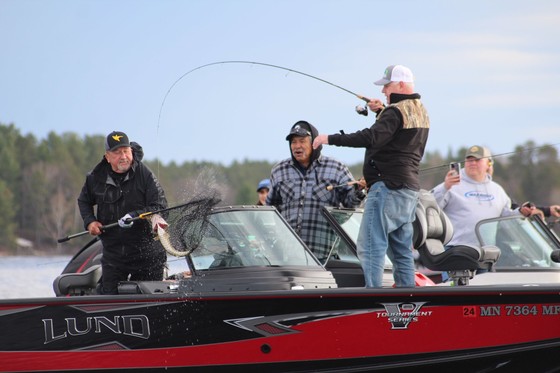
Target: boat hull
(468, 328)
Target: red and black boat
(253, 298)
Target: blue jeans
(386, 228)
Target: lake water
(29, 276)
(33, 276)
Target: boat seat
(433, 230)
(77, 283)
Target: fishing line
(494, 156)
(362, 111)
(359, 110)
(253, 63)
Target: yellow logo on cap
(117, 137)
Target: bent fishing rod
(144, 215)
(493, 157)
(359, 110)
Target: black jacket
(394, 144)
(137, 193)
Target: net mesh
(187, 225)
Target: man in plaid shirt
(299, 189)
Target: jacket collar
(397, 97)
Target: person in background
(122, 188)
(529, 207)
(394, 146)
(542, 211)
(302, 184)
(262, 191)
(472, 196)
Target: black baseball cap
(301, 128)
(115, 140)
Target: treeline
(40, 181)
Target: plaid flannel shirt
(299, 198)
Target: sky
(488, 71)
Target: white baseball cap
(396, 73)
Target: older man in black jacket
(123, 188)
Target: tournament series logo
(402, 314)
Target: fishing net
(187, 226)
(188, 223)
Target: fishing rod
(362, 110)
(359, 110)
(349, 183)
(493, 157)
(144, 215)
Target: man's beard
(123, 167)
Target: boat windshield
(523, 242)
(345, 224)
(249, 237)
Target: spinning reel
(362, 110)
